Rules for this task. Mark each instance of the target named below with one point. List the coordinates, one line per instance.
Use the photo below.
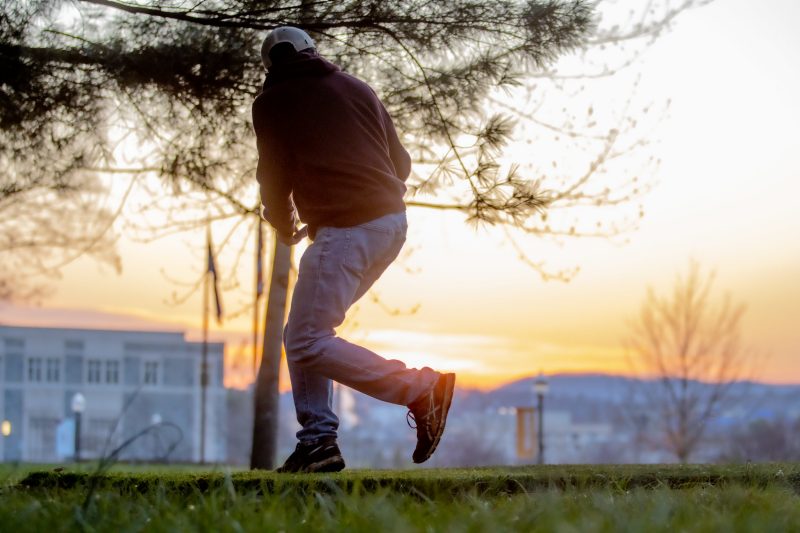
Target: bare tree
(688, 343)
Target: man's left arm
(400, 158)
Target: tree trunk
(265, 424)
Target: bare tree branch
(691, 344)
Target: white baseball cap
(299, 39)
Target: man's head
(282, 44)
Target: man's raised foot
(429, 411)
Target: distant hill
(611, 387)
(584, 393)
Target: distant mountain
(606, 386)
(599, 387)
(567, 391)
(609, 386)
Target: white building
(129, 379)
(569, 442)
(565, 441)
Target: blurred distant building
(569, 442)
(155, 374)
(498, 439)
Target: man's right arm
(271, 173)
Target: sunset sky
(727, 194)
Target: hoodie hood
(307, 64)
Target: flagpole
(259, 285)
(204, 363)
(255, 332)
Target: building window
(14, 345)
(150, 372)
(53, 370)
(35, 369)
(74, 345)
(93, 371)
(112, 371)
(42, 439)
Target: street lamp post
(78, 407)
(5, 429)
(155, 420)
(540, 387)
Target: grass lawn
(551, 498)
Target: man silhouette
(327, 146)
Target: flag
(212, 269)
(260, 262)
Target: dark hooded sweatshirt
(326, 141)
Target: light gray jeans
(335, 271)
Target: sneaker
(320, 456)
(429, 411)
